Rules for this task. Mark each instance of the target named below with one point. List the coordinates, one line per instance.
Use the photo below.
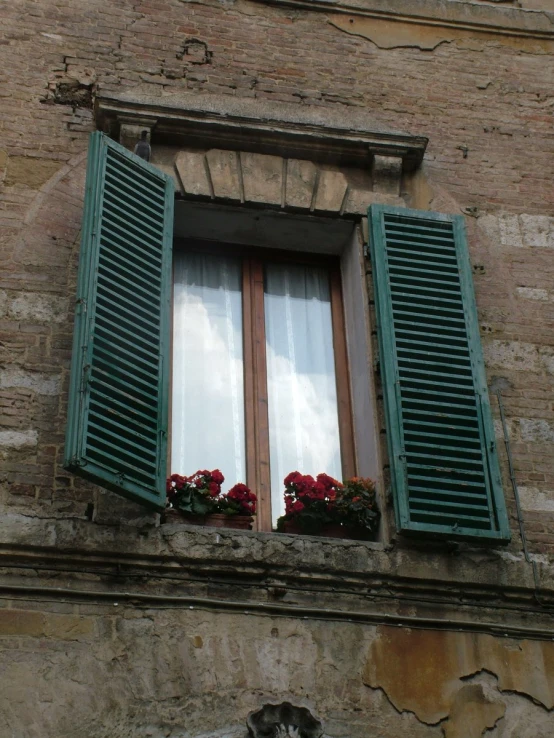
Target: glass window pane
(303, 413)
(208, 383)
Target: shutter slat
(433, 355)
(142, 374)
(423, 257)
(133, 203)
(436, 453)
(110, 406)
(124, 404)
(416, 380)
(407, 231)
(432, 275)
(115, 295)
(118, 243)
(442, 436)
(117, 322)
(452, 343)
(123, 373)
(454, 408)
(115, 271)
(106, 342)
(118, 381)
(99, 428)
(468, 510)
(117, 424)
(452, 495)
(117, 262)
(131, 216)
(121, 343)
(130, 229)
(151, 188)
(444, 469)
(418, 313)
(154, 202)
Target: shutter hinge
(85, 379)
(82, 302)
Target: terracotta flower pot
(239, 522)
(215, 520)
(330, 530)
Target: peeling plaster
(391, 34)
(387, 34)
(473, 710)
(422, 672)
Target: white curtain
(303, 415)
(208, 385)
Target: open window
(260, 382)
(277, 317)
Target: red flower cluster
(243, 497)
(200, 494)
(303, 489)
(311, 504)
(208, 482)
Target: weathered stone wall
(114, 672)
(79, 660)
(181, 632)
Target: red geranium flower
(217, 477)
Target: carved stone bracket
(280, 721)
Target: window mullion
(260, 404)
(249, 377)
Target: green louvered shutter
(117, 414)
(444, 467)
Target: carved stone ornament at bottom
(283, 721)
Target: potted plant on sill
(198, 500)
(325, 507)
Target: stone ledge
(490, 575)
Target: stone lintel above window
(346, 137)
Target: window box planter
(214, 520)
(330, 530)
(325, 507)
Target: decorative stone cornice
(468, 16)
(275, 574)
(314, 133)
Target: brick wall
(483, 100)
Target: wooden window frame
(256, 417)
